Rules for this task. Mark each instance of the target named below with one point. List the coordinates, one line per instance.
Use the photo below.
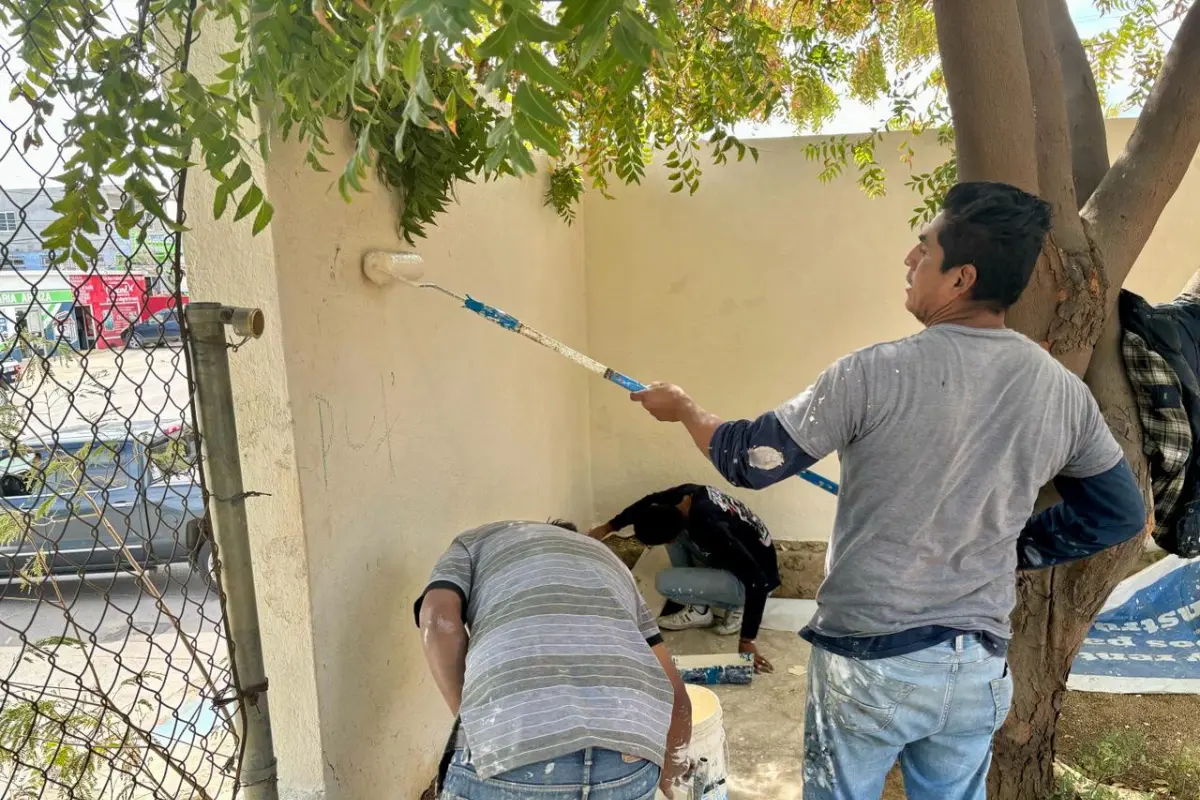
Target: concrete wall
(384, 422)
(226, 264)
(415, 420)
(744, 292)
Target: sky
(853, 117)
(857, 117)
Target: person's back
(945, 439)
(955, 430)
(564, 659)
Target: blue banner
(1147, 637)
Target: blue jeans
(936, 710)
(591, 774)
(689, 584)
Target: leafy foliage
(435, 92)
(66, 745)
(1132, 52)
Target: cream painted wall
(385, 421)
(745, 291)
(226, 264)
(415, 420)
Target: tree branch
(987, 85)
(1056, 181)
(1089, 138)
(1129, 200)
(1064, 307)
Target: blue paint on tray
(740, 674)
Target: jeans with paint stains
(936, 710)
(590, 774)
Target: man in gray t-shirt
(544, 650)
(945, 439)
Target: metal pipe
(206, 323)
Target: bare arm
(701, 425)
(671, 404)
(601, 532)
(679, 735)
(444, 638)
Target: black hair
(999, 229)
(658, 524)
(564, 524)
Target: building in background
(129, 280)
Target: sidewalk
(764, 722)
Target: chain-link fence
(114, 670)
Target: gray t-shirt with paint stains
(945, 439)
(559, 657)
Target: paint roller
(384, 268)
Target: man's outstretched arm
(753, 454)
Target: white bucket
(708, 741)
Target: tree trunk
(1055, 609)
(1021, 117)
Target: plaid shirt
(1168, 437)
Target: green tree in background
(441, 91)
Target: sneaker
(732, 623)
(689, 617)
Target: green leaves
(412, 59)
(263, 218)
(438, 92)
(532, 28)
(534, 102)
(538, 68)
(249, 202)
(501, 42)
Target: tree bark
(1089, 139)
(1052, 135)
(988, 50)
(987, 85)
(1126, 205)
(1055, 607)
(1066, 309)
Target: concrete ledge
(801, 568)
(301, 794)
(801, 564)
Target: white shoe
(732, 623)
(688, 617)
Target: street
(108, 644)
(109, 389)
(137, 662)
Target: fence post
(206, 323)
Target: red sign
(112, 303)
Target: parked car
(12, 365)
(95, 505)
(160, 329)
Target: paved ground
(147, 649)
(764, 722)
(109, 387)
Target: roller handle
(511, 323)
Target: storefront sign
(45, 298)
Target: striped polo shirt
(559, 657)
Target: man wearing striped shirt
(543, 648)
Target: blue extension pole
(511, 323)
